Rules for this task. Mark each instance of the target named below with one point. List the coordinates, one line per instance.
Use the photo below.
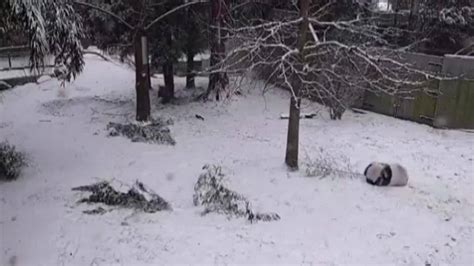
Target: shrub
(326, 164)
(156, 131)
(11, 161)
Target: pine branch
(117, 17)
(156, 20)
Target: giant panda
(383, 174)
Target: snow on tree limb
(343, 58)
(53, 28)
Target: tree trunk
(190, 84)
(168, 74)
(142, 79)
(218, 81)
(149, 74)
(190, 49)
(292, 144)
(410, 17)
(397, 9)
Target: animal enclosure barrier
(15, 66)
(443, 104)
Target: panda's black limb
(367, 169)
(368, 180)
(386, 176)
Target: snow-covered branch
(343, 59)
(53, 28)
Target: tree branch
(121, 20)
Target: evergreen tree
(167, 46)
(140, 26)
(195, 39)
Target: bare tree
(292, 142)
(335, 60)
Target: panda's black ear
(367, 169)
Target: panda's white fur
(383, 174)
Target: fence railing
(15, 66)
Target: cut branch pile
(155, 131)
(211, 193)
(138, 197)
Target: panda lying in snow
(382, 174)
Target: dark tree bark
(397, 9)
(218, 81)
(292, 144)
(410, 17)
(149, 75)
(167, 92)
(142, 78)
(190, 84)
(190, 49)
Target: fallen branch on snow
(358, 111)
(97, 54)
(211, 193)
(302, 116)
(137, 197)
(156, 131)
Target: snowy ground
(324, 221)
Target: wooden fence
(15, 68)
(449, 104)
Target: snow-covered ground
(331, 221)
